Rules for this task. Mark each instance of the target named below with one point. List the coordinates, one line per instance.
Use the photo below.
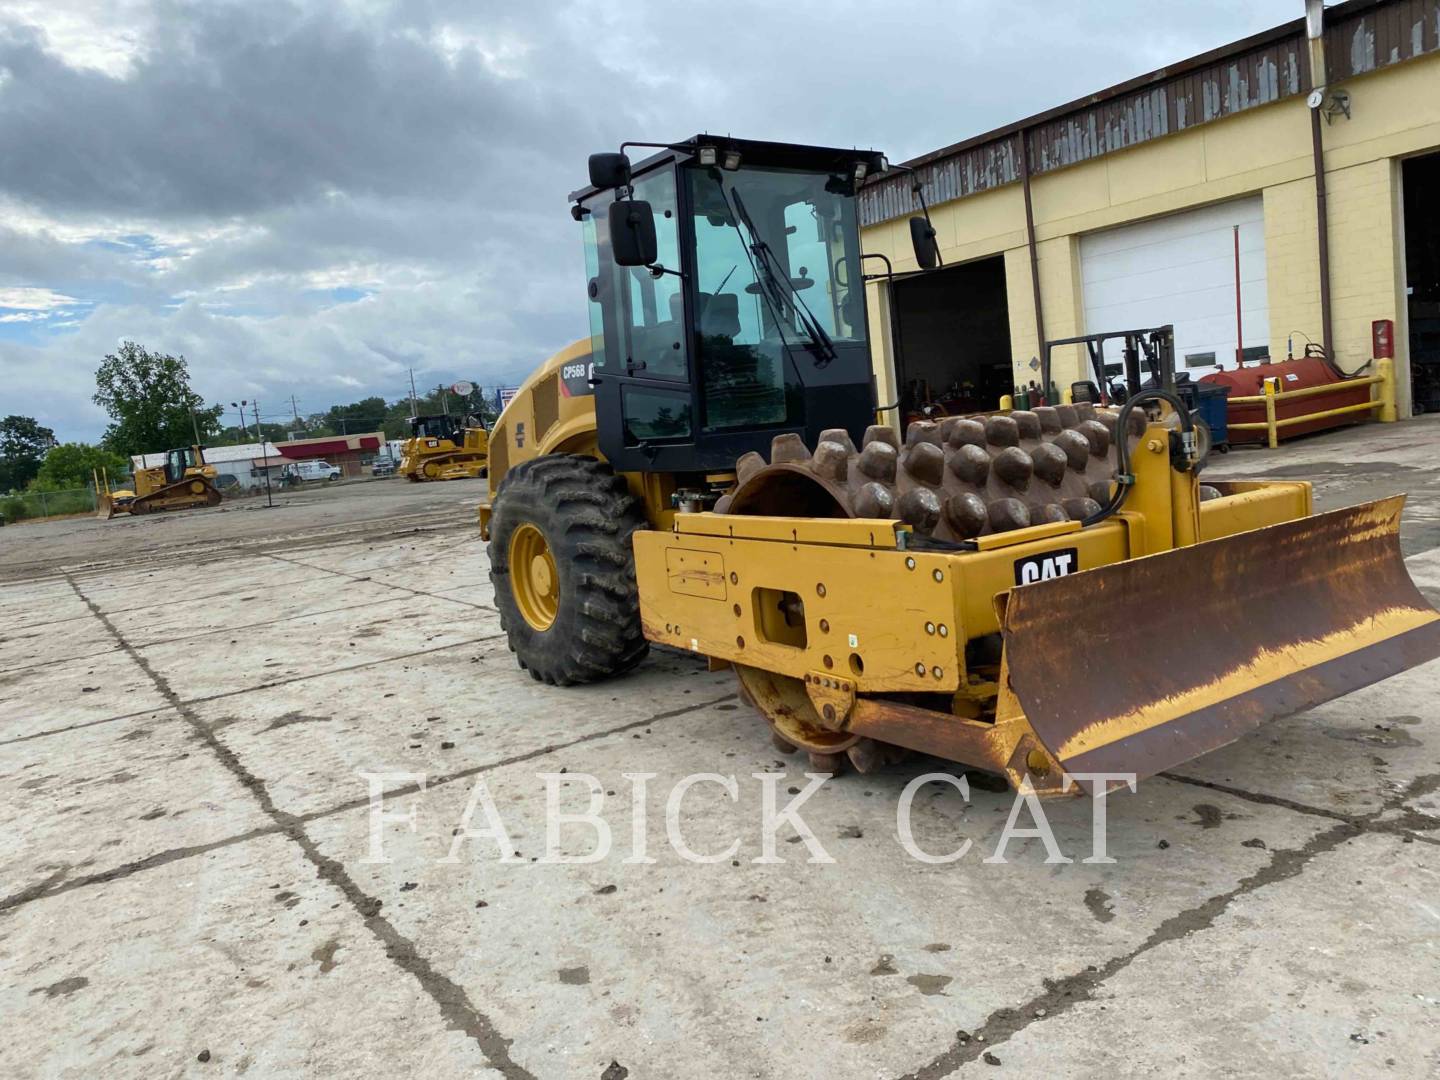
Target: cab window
(653, 307)
(776, 271)
(592, 227)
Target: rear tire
(586, 516)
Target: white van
(311, 470)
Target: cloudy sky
(310, 198)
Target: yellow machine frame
(713, 584)
(152, 491)
(791, 604)
(549, 420)
(429, 458)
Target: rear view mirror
(609, 171)
(922, 237)
(632, 233)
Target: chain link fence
(32, 504)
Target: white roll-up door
(1180, 269)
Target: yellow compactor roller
(1036, 593)
(444, 448)
(182, 483)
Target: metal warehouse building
(1278, 190)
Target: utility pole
(190, 401)
(264, 455)
(240, 405)
(294, 411)
(413, 407)
(444, 398)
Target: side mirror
(632, 233)
(609, 171)
(922, 237)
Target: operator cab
(727, 300)
(436, 427)
(178, 461)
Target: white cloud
(206, 174)
(108, 36)
(30, 298)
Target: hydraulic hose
(1124, 478)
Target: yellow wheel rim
(533, 579)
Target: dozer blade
(104, 508)
(1141, 665)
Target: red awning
(369, 442)
(316, 449)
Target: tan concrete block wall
(1059, 267)
(1363, 235)
(1292, 264)
(1024, 342)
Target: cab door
(644, 397)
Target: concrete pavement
(186, 885)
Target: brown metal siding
(1274, 66)
(979, 169)
(1381, 35)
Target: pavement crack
(528, 755)
(1365, 822)
(58, 884)
(250, 689)
(214, 631)
(341, 670)
(449, 996)
(80, 726)
(386, 584)
(1061, 995)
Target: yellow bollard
(1068, 396)
(1007, 402)
(1270, 413)
(1385, 390)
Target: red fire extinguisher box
(1382, 339)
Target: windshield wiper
(773, 274)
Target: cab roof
(752, 152)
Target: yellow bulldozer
(443, 448)
(1048, 593)
(182, 482)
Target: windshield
(776, 255)
(432, 427)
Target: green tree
(150, 402)
(367, 414)
(398, 414)
(393, 418)
(235, 435)
(23, 443)
(72, 465)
